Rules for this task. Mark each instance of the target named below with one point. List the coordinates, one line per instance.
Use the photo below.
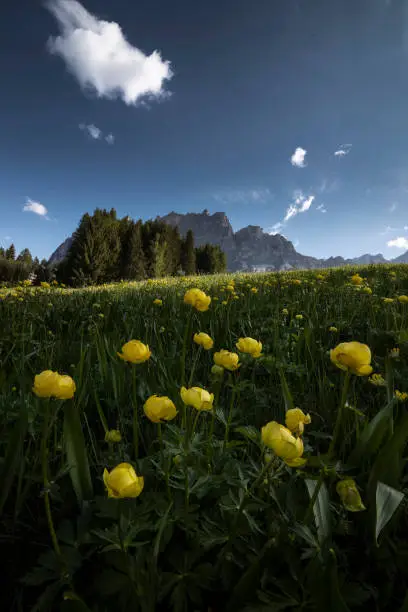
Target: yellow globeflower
(296, 420)
(254, 290)
(113, 435)
(250, 346)
(159, 409)
(356, 279)
(403, 299)
(387, 300)
(349, 495)
(299, 317)
(135, 351)
(227, 360)
(65, 387)
(230, 288)
(45, 384)
(204, 340)
(198, 299)
(377, 380)
(367, 290)
(45, 285)
(333, 329)
(394, 353)
(400, 396)
(285, 311)
(352, 356)
(283, 443)
(158, 302)
(123, 481)
(198, 398)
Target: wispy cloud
(97, 53)
(393, 207)
(343, 150)
(36, 208)
(301, 203)
(321, 208)
(399, 243)
(388, 229)
(96, 133)
(298, 158)
(243, 196)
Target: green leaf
(388, 465)
(77, 454)
(337, 603)
(373, 435)
(321, 509)
(13, 456)
(387, 501)
(287, 396)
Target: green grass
(216, 525)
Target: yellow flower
(403, 299)
(333, 329)
(299, 317)
(198, 398)
(227, 360)
(204, 340)
(217, 371)
(285, 311)
(45, 384)
(296, 420)
(158, 302)
(297, 281)
(198, 299)
(254, 290)
(283, 443)
(250, 346)
(352, 356)
(400, 396)
(320, 277)
(65, 387)
(349, 495)
(135, 352)
(387, 300)
(224, 302)
(356, 279)
(230, 288)
(113, 435)
(45, 285)
(394, 353)
(159, 409)
(123, 481)
(367, 290)
(377, 380)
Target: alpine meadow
(220, 442)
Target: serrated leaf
(387, 500)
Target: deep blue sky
(252, 81)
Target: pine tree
(11, 253)
(133, 259)
(25, 257)
(2, 252)
(188, 260)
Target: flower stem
(135, 415)
(46, 482)
(190, 382)
(339, 419)
(184, 351)
(230, 411)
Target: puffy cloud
(343, 150)
(399, 243)
(36, 208)
(96, 133)
(97, 53)
(298, 158)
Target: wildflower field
(219, 443)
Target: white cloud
(96, 133)
(393, 207)
(405, 227)
(97, 53)
(35, 207)
(298, 158)
(343, 150)
(8, 238)
(321, 208)
(243, 196)
(399, 243)
(301, 203)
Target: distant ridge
(249, 249)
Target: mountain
(250, 248)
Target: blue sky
(236, 106)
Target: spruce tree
(25, 257)
(133, 259)
(11, 253)
(189, 255)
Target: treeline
(15, 268)
(106, 249)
